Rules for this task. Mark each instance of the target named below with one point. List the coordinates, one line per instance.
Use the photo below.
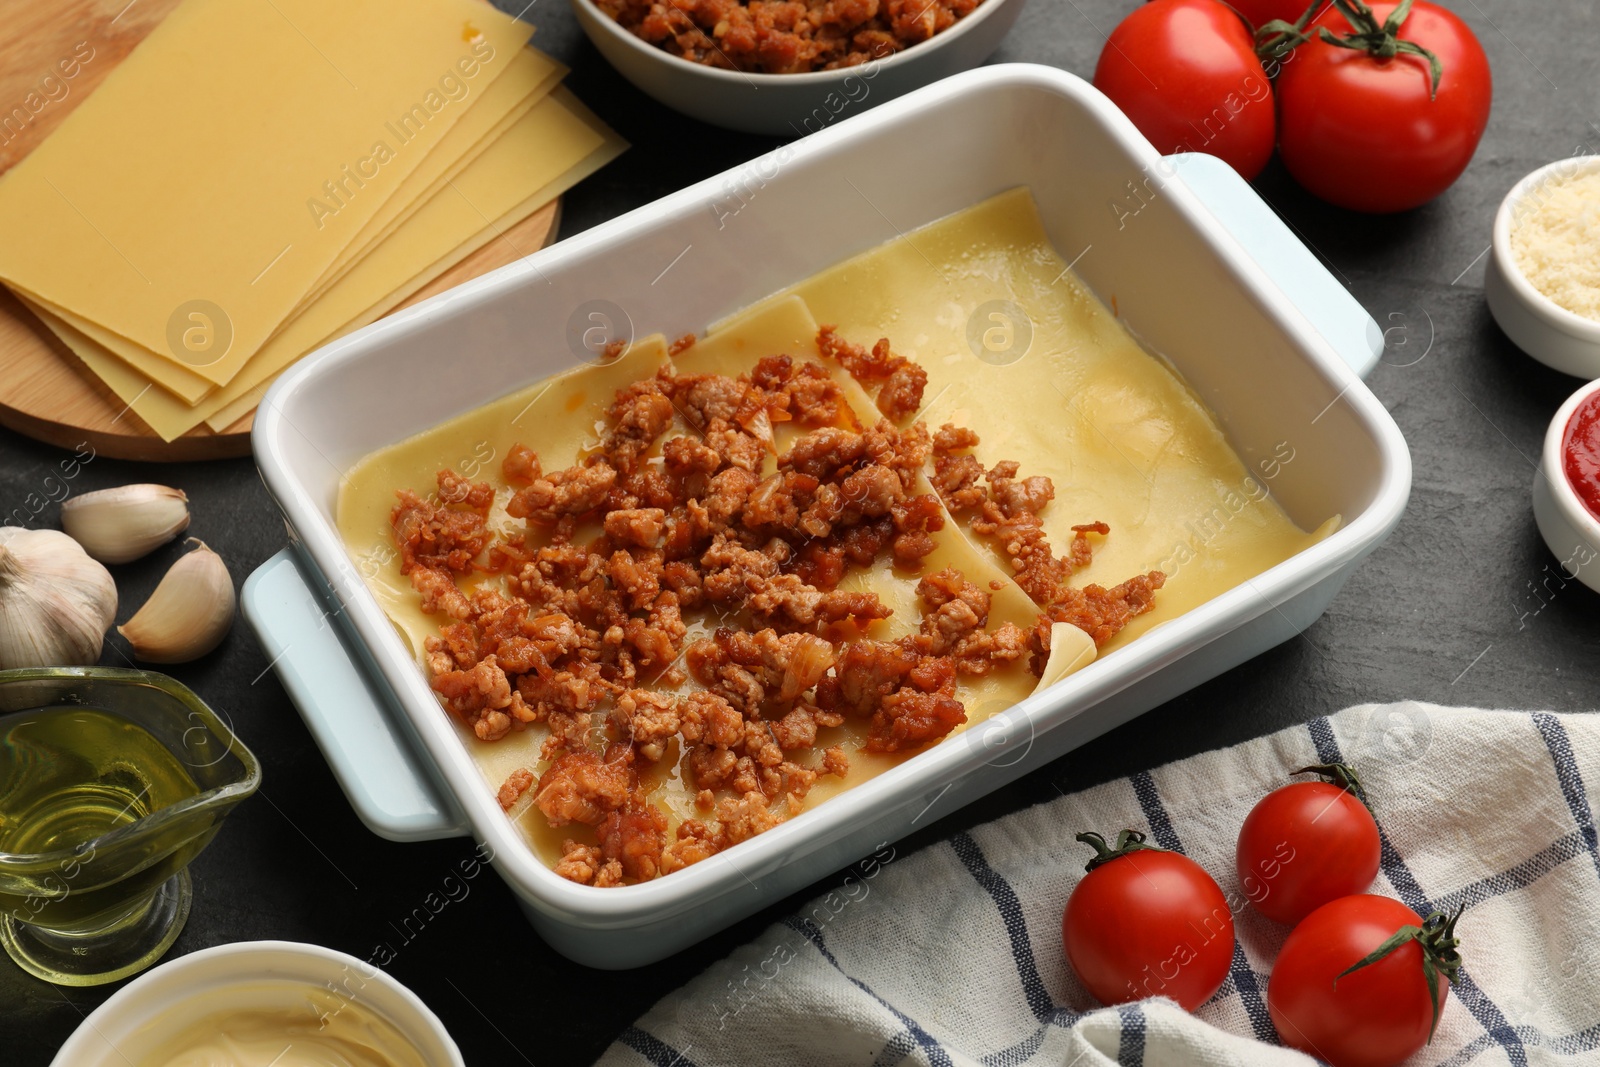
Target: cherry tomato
(1261, 12)
(1186, 73)
(1362, 133)
(1377, 1015)
(1145, 922)
(1306, 844)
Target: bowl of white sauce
(256, 1003)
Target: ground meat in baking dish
(900, 381)
(1006, 511)
(785, 36)
(666, 606)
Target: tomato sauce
(1580, 453)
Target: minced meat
(786, 36)
(590, 636)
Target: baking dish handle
(363, 737)
(1335, 314)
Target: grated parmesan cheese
(1556, 241)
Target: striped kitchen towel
(953, 955)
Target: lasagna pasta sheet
(486, 197)
(94, 229)
(530, 78)
(1018, 349)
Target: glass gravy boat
(111, 782)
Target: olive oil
(68, 776)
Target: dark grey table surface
(1460, 606)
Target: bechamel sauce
(275, 1024)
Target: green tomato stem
(1344, 776)
(1440, 955)
(1277, 38)
(1127, 841)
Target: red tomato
(1146, 922)
(1261, 12)
(1186, 73)
(1373, 1017)
(1362, 133)
(1304, 845)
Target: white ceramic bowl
(186, 989)
(1181, 280)
(792, 105)
(1571, 533)
(1536, 324)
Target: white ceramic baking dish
(1218, 285)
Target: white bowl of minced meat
(790, 67)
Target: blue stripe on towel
(895, 1052)
(1034, 991)
(1567, 773)
(1245, 980)
(1326, 744)
(1488, 1014)
(1130, 1053)
(1521, 876)
(1253, 992)
(1567, 1045)
(1144, 787)
(813, 933)
(1582, 1041)
(1020, 1053)
(652, 1048)
(1005, 899)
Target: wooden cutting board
(45, 391)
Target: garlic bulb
(55, 602)
(189, 613)
(123, 523)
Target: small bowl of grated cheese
(1543, 279)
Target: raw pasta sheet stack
(262, 176)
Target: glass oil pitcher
(111, 781)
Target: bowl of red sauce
(1566, 490)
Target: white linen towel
(953, 956)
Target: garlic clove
(55, 602)
(125, 522)
(189, 613)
